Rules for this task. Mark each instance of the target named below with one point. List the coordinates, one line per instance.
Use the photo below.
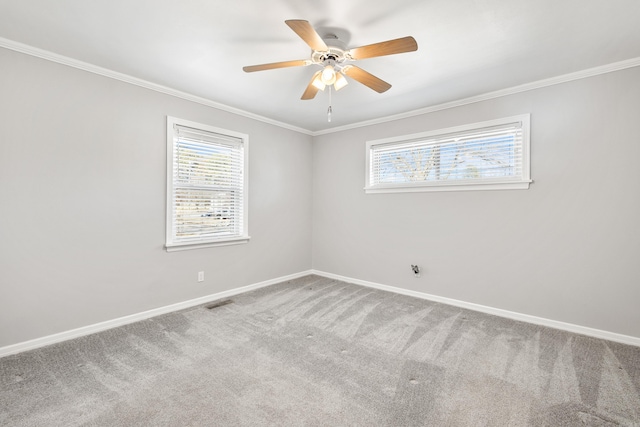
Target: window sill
(512, 185)
(201, 245)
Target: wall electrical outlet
(200, 276)
(416, 270)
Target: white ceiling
(465, 47)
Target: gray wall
(567, 249)
(82, 201)
(82, 206)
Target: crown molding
(590, 72)
(64, 60)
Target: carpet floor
(320, 352)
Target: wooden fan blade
(271, 66)
(311, 90)
(390, 47)
(366, 78)
(306, 32)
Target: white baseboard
(109, 324)
(583, 330)
(97, 327)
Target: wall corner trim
(125, 320)
(569, 327)
(85, 66)
(64, 60)
(538, 84)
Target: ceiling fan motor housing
(334, 53)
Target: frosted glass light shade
(328, 75)
(341, 81)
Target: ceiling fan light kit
(330, 53)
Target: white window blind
(488, 155)
(207, 186)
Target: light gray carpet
(317, 352)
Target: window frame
(519, 183)
(170, 243)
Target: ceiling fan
(331, 54)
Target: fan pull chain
(329, 110)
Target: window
(491, 155)
(206, 186)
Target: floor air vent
(218, 304)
